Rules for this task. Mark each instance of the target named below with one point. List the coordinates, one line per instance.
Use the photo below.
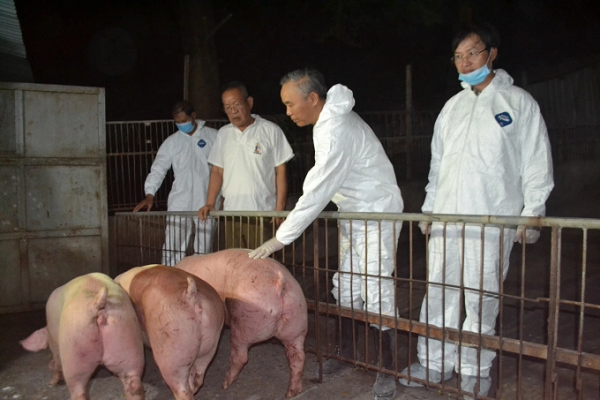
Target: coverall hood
(340, 101)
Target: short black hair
(185, 106)
(487, 33)
(235, 85)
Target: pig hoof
(225, 385)
(292, 393)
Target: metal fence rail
(546, 337)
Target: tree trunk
(197, 29)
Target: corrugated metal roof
(14, 66)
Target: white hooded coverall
(188, 156)
(490, 155)
(352, 170)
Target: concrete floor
(26, 376)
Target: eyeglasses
(458, 58)
(234, 107)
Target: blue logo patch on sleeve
(503, 119)
(201, 143)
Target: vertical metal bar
(394, 278)
(316, 300)
(501, 316)
(521, 317)
(578, 383)
(552, 315)
(461, 297)
(558, 285)
(444, 287)
(379, 280)
(121, 163)
(410, 283)
(480, 312)
(365, 276)
(141, 240)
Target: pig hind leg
(238, 357)
(176, 374)
(294, 351)
(77, 383)
(78, 369)
(198, 370)
(56, 367)
(132, 385)
(249, 324)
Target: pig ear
(37, 341)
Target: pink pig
(91, 322)
(182, 317)
(263, 300)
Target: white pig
(263, 300)
(91, 322)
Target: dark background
(134, 48)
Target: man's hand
(425, 227)
(204, 211)
(269, 247)
(532, 234)
(276, 222)
(147, 202)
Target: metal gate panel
(9, 184)
(61, 124)
(62, 197)
(53, 223)
(10, 284)
(7, 113)
(54, 261)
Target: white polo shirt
(248, 160)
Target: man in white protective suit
(186, 151)
(352, 170)
(490, 155)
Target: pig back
(165, 288)
(234, 275)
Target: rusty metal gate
(546, 338)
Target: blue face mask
(476, 77)
(186, 127)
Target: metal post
(553, 307)
(316, 298)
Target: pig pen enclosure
(546, 335)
